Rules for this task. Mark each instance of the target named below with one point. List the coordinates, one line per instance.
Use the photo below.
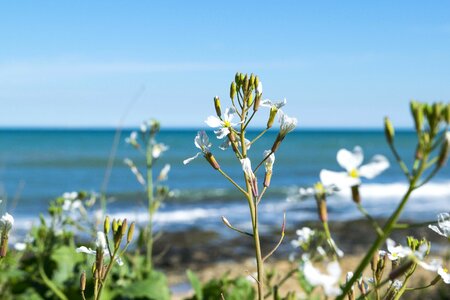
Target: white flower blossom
(304, 235)
(445, 274)
(143, 127)
(396, 252)
(317, 189)
(132, 139)
(135, 171)
(272, 104)
(201, 141)
(443, 227)
(102, 245)
(287, 124)
(268, 163)
(158, 149)
(70, 195)
(227, 143)
(224, 123)
(163, 175)
(259, 88)
(6, 223)
(328, 281)
(351, 162)
(247, 168)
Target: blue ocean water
(37, 165)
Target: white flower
(397, 284)
(20, 246)
(304, 235)
(135, 171)
(143, 127)
(223, 123)
(132, 139)
(70, 205)
(268, 163)
(328, 281)
(164, 173)
(259, 88)
(201, 141)
(287, 124)
(70, 195)
(348, 277)
(351, 162)
(396, 252)
(247, 168)
(318, 189)
(102, 245)
(273, 105)
(158, 149)
(445, 275)
(443, 227)
(6, 223)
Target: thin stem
(369, 217)
(279, 242)
(234, 228)
(249, 119)
(330, 241)
(407, 226)
(259, 135)
(232, 181)
(265, 158)
(283, 280)
(150, 199)
(407, 277)
(261, 195)
(423, 287)
(50, 283)
(400, 161)
(108, 268)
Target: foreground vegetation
(54, 262)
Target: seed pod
(355, 194)
(212, 160)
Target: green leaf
(66, 258)
(195, 283)
(154, 287)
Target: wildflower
(351, 162)
(224, 123)
(327, 281)
(132, 139)
(20, 246)
(226, 144)
(395, 252)
(316, 190)
(135, 171)
(143, 127)
(247, 168)
(158, 149)
(101, 246)
(164, 173)
(201, 141)
(445, 275)
(274, 108)
(6, 224)
(443, 227)
(70, 195)
(304, 236)
(259, 88)
(268, 164)
(287, 124)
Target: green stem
(108, 269)
(150, 199)
(403, 288)
(50, 283)
(369, 217)
(232, 181)
(259, 135)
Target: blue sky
(339, 64)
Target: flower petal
(350, 160)
(188, 160)
(213, 121)
(222, 132)
(339, 179)
(83, 249)
(378, 164)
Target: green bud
(256, 81)
(115, 226)
(124, 227)
(250, 100)
(217, 106)
(237, 78)
(245, 83)
(83, 281)
(106, 225)
(446, 114)
(130, 233)
(389, 130)
(252, 81)
(273, 113)
(241, 78)
(232, 90)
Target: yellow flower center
(226, 124)
(354, 173)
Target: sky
(110, 63)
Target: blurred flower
(397, 285)
(143, 127)
(351, 162)
(445, 275)
(163, 175)
(224, 123)
(227, 143)
(158, 149)
(396, 252)
(259, 88)
(268, 163)
(273, 105)
(317, 189)
(247, 168)
(6, 223)
(70, 196)
(135, 171)
(328, 281)
(304, 235)
(20, 246)
(201, 141)
(132, 139)
(443, 227)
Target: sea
(38, 165)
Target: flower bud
(245, 83)
(83, 281)
(237, 78)
(124, 227)
(130, 233)
(273, 113)
(417, 112)
(374, 261)
(217, 106)
(446, 114)
(106, 225)
(389, 130)
(3, 245)
(232, 90)
(212, 160)
(241, 78)
(250, 100)
(115, 226)
(443, 154)
(267, 178)
(252, 81)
